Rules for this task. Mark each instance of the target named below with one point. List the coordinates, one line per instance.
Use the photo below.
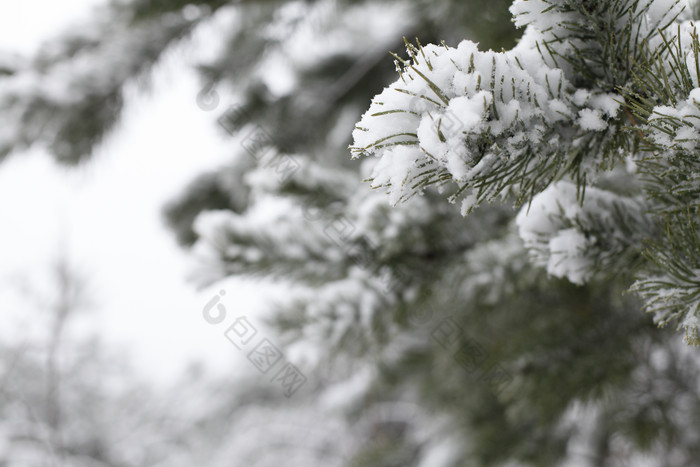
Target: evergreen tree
(501, 338)
(589, 87)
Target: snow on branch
(592, 87)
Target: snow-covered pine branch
(592, 87)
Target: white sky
(108, 213)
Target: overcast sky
(108, 215)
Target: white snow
(590, 119)
(568, 256)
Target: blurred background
(192, 271)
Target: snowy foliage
(575, 240)
(403, 317)
(592, 87)
(70, 95)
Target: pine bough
(591, 124)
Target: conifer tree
(592, 89)
(507, 330)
